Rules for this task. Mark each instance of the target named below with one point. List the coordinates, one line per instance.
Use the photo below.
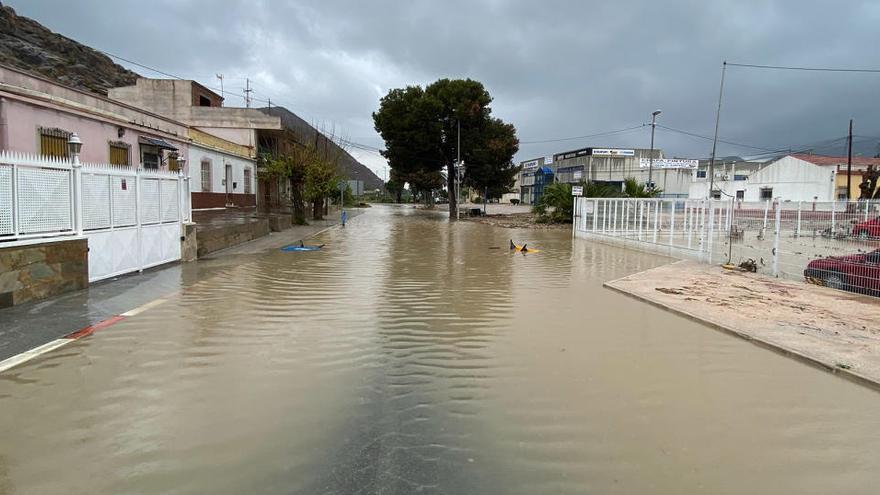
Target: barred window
(53, 142)
(149, 157)
(247, 180)
(206, 176)
(120, 153)
(173, 164)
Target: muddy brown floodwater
(410, 356)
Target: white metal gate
(132, 218)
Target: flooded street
(412, 355)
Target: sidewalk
(31, 325)
(834, 330)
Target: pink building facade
(37, 116)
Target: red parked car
(870, 228)
(856, 272)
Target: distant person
(344, 217)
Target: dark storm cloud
(555, 69)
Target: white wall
(793, 179)
(244, 137)
(699, 188)
(219, 160)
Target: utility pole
(458, 174)
(715, 141)
(654, 115)
(849, 162)
(247, 93)
(220, 77)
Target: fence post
(688, 222)
(614, 217)
(604, 216)
(833, 216)
(867, 207)
(595, 213)
(797, 232)
(730, 210)
(641, 213)
(702, 224)
(766, 209)
(776, 242)
(181, 205)
(672, 223)
(110, 198)
(77, 195)
(657, 207)
(16, 225)
(711, 229)
(138, 208)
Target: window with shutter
(119, 153)
(53, 142)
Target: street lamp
(74, 146)
(654, 115)
(181, 162)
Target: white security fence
(787, 239)
(132, 218)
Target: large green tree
(421, 132)
(491, 170)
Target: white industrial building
(791, 179)
(729, 182)
(788, 178)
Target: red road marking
(94, 328)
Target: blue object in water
(301, 248)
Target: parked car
(870, 228)
(856, 272)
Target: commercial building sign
(612, 152)
(669, 163)
(530, 165)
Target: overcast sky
(555, 69)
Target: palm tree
(633, 189)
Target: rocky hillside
(27, 45)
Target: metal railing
(834, 243)
(43, 196)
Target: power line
(363, 147)
(710, 138)
(607, 133)
(814, 69)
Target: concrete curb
(765, 344)
(26, 356)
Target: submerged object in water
(522, 249)
(302, 247)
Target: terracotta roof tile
(861, 161)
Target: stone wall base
(213, 238)
(43, 269)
